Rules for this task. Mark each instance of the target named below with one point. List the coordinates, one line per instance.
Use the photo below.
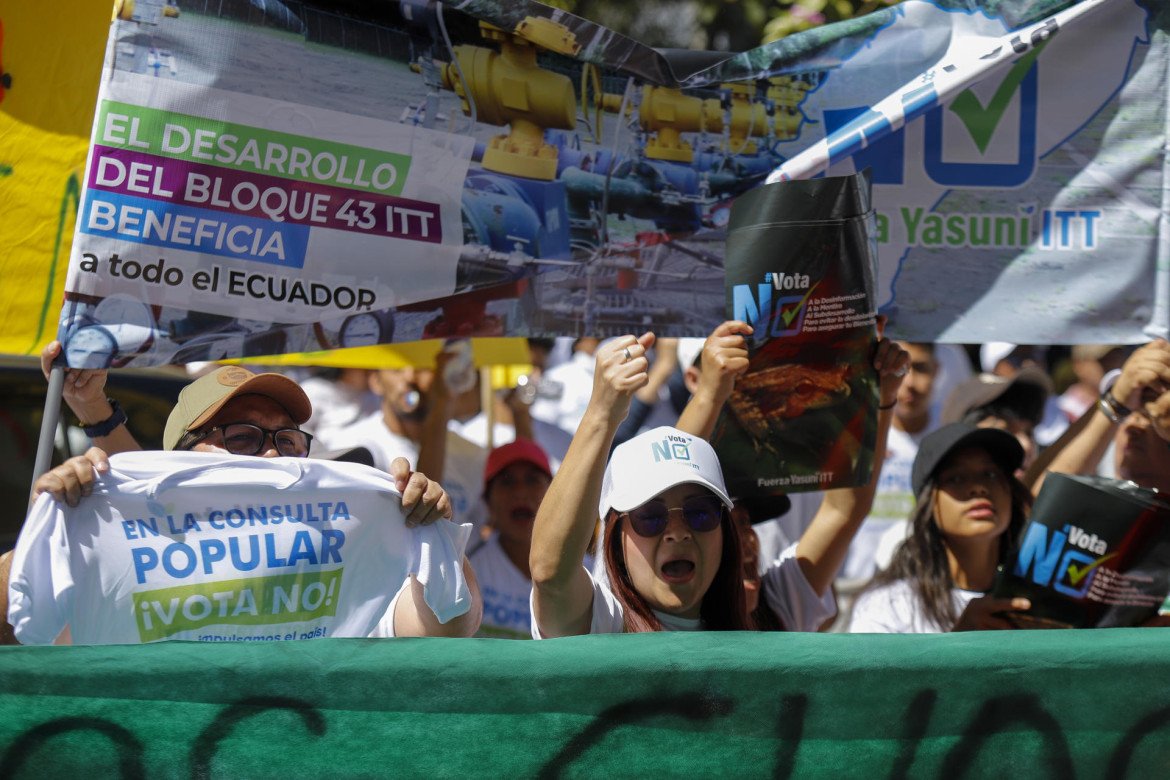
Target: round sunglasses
(701, 513)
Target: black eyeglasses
(248, 439)
(701, 513)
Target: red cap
(524, 450)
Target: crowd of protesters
(578, 528)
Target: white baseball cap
(655, 461)
(688, 350)
(992, 352)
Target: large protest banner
(285, 177)
(1029, 207)
(1086, 704)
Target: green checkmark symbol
(981, 122)
(1075, 575)
(789, 314)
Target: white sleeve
(438, 564)
(440, 568)
(792, 598)
(884, 610)
(40, 585)
(385, 627)
(608, 617)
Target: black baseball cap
(764, 508)
(1004, 449)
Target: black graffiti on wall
(1001, 714)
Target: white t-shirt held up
(210, 547)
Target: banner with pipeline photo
(273, 178)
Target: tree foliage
(729, 25)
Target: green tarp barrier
(1023, 704)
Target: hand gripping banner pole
(49, 422)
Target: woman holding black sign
(971, 509)
(673, 555)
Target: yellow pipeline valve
(787, 90)
(787, 93)
(786, 124)
(509, 88)
(611, 103)
(748, 119)
(549, 35)
(669, 113)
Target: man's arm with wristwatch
(84, 391)
(1147, 369)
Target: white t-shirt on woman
(895, 609)
(783, 586)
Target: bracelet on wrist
(1121, 409)
(888, 406)
(106, 427)
(1113, 409)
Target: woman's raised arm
(562, 593)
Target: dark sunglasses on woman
(701, 513)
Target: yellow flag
(50, 66)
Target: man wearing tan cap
(272, 398)
(231, 410)
(235, 411)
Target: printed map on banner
(287, 178)
(1013, 211)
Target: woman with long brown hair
(971, 510)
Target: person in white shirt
(232, 410)
(674, 560)
(1089, 364)
(413, 423)
(218, 547)
(971, 509)
(915, 416)
(511, 419)
(1015, 405)
(515, 480)
(573, 378)
(340, 396)
(999, 357)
